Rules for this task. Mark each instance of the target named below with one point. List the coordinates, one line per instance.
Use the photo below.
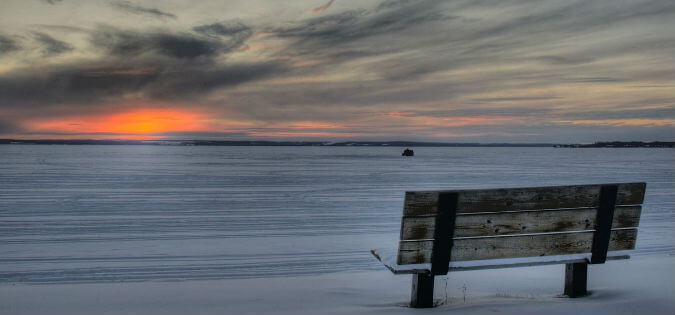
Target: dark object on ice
(569, 225)
(408, 152)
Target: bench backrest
(461, 225)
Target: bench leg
(575, 279)
(422, 291)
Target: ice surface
(77, 217)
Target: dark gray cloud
(137, 9)
(67, 85)
(50, 45)
(232, 34)
(198, 81)
(129, 44)
(391, 4)
(153, 65)
(52, 1)
(149, 80)
(178, 46)
(332, 31)
(234, 28)
(209, 41)
(8, 44)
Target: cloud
(136, 9)
(129, 43)
(515, 99)
(50, 45)
(62, 28)
(86, 85)
(621, 122)
(348, 26)
(52, 1)
(232, 34)
(198, 81)
(136, 66)
(321, 8)
(206, 41)
(595, 79)
(566, 60)
(7, 126)
(414, 39)
(386, 33)
(547, 61)
(223, 29)
(8, 44)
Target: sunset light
(380, 70)
(137, 124)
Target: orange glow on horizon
(137, 137)
(147, 121)
(137, 124)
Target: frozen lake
(74, 214)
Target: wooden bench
(456, 230)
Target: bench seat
(388, 258)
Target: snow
(256, 230)
(641, 285)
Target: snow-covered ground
(641, 285)
(255, 230)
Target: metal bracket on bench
(603, 223)
(443, 233)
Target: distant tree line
(621, 144)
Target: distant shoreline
(614, 144)
(621, 144)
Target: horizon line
(201, 142)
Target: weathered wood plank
(420, 203)
(512, 199)
(417, 252)
(521, 222)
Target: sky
(553, 71)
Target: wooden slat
(420, 203)
(513, 199)
(417, 252)
(521, 222)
